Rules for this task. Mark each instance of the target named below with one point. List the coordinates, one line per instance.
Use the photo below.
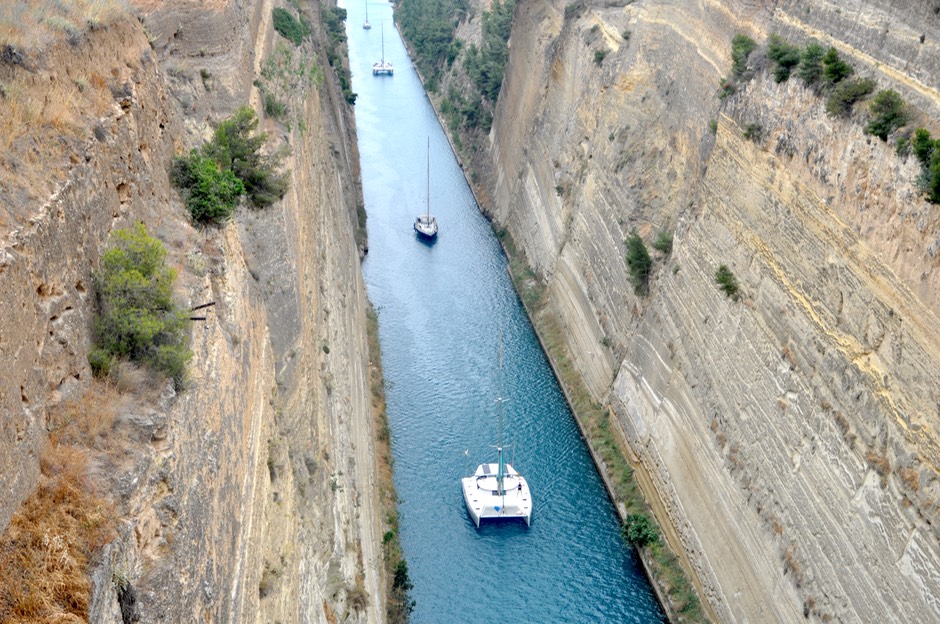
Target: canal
(441, 310)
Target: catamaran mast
(499, 439)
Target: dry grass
(89, 420)
(879, 463)
(46, 549)
(34, 24)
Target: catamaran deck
(485, 501)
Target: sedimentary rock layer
(792, 434)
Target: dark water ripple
(441, 309)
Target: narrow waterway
(441, 309)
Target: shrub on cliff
(663, 243)
(741, 48)
(889, 112)
(846, 94)
(923, 146)
(784, 54)
(211, 193)
(810, 69)
(290, 27)
(639, 530)
(835, 70)
(236, 146)
(639, 263)
(727, 281)
(137, 318)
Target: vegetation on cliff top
(333, 19)
(825, 72)
(34, 24)
(475, 81)
(429, 27)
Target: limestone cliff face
(792, 436)
(248, 496)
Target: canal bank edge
(656, 568)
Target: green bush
(273, 107)
(639, 530)
(741, 48)
(931, 178)
(211, 193)
(290, 27)
(846, 94)
(639, 263)
(137, 318)
(889, 112)
(810, 69)
(835, 70)
(485, 65)
(663, 243)
(429, 26)
(728, 282)
(784, 54)
(923, 145)
(600, 55)
(236, 146)
(753, 132)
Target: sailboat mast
(429, 180)
(499, 439)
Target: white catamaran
(497, 491)
(426, 224)
(383, 67)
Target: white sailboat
(382, 67)
(426, 224)
(366, 25)
(497, 491)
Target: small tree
(784, 54)
(639, 263)
(741, 48)
(290, 27)
(923, 145)
(137, 318)
(834, 68)
(211, 193)
(663, 243)
(889, 113)
(237, 147)
(810, 69)
(846, 94)
(639, 530)
(727, 281)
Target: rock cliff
(250, 495)
(791, 436)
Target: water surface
(441, 309)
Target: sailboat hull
(485, 500)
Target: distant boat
(382, 67)
(426, 224)
(366, 25)
(497, 491)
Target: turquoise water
(441, 309)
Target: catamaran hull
(485, 502)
